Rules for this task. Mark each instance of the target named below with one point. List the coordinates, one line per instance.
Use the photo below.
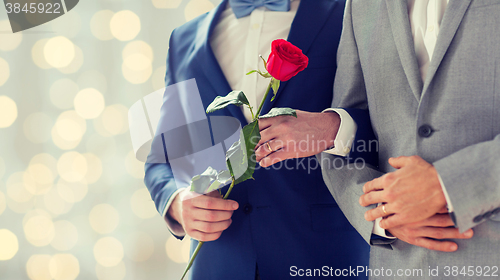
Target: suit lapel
(208, 62)
(451, 21)
(310, 18)
(401, 31)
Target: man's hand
(411, 194)
(286, 137)
(203, 217)
(430, 232)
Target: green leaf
(276, 87)
(210, 180)
(279, 112)
(200, 183)
(240, 158)
(265, 62)
(237, 98)
(223, 177)
(265, 75)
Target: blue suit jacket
(287, 217)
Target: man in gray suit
(429, 73)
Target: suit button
(478, 219)
(425, 131)
(247, 209)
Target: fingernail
(235, 205)
(453, 247)
(468, 233)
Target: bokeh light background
(73, 204)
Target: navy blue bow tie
(243, 8)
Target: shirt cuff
(173, 225)
(346, 134)
(446, 196)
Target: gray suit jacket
(452, 120)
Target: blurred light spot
(39, 230)
(101, 146)
(138, 47)
(89, 103)
(55, 203)
(178, 251)
(41, 178)
(2, 167)
(72, 166)
(64, 267)
(9, 41)
(37, 54)
(197, 7)
(62, 93)
(166, 4)
(125, 25)
(4, 71)
(100, 25)
(142, 204)
(134, 167)
(137, 69)
(93, 79)
(35, 213)
(16, 187)
(72, 192)
(69, 25)
(21, 207)
(59, 52)
(116, 272)
(8, 245)
(3, 202)
(68, 130)
(8, 111)
(66, 236)
(114, 120)
(108, 251)
(94, 171)
(104, 218)
(38, 267)
(139, 247)
(46, 159)
(158, 78)
(75, 64)
(37, 127)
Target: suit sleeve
(472, 179)
(159, 177)
(345, 177)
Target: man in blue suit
(284, 223)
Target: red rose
(285, 60)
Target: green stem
(264, 99)
(229, 190)
(195, 253)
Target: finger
(397, 220)
(266, 123)
(443, 210)
(377, 212)
(438, 220)
(211, 227)
(374, 185)
(205, 237)
(443, 233)
(213, 203)
(443, 246)
(214, 194)
(372, 198)
(273, 158)
(204, 215)
(399, 162)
